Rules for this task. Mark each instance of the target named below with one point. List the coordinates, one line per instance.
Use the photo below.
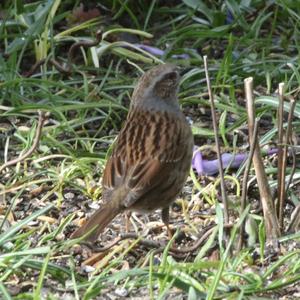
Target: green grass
(87, 108)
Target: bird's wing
(145, 154)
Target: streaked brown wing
(145, 153)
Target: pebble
(122, 292)
(69, 196)
(88, 269)
(94, 205)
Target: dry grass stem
(290, 141)
(271, 221)
(281, 166)
(42, 118)
(214, 121)
(244, 200)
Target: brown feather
(152, 154)
(102, 217)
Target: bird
(151, 156)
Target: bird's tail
(98, 221)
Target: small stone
(206, 206)
(80, 214)
(60, 237)
(33, 223)
(76, 249)
(88, 269)
(121, 292)
(69, 196)
(94, 205)
(80, 182)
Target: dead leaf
(47, 219)
(79, 15)
(96, 257)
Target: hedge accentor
(152, 154)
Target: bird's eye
(171, 76)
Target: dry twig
(281, 165)
(214, 121)
(271, 221)
(244, 201)
(42, 118)
(295, 220)
(290, 141)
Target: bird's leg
(127, 215)
(165, 219)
